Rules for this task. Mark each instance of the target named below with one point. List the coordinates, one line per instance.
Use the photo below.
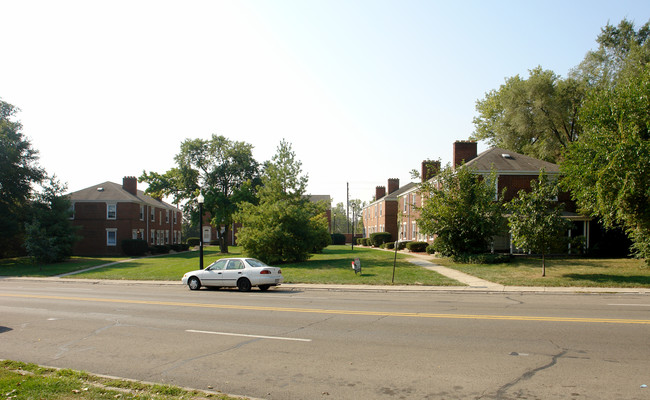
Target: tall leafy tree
(224, 171)
(535, 219)
(19, 171)
(536, 116)
(621, 50)
(460, 209)
(284, 225)
(49, 234)
(608, 170)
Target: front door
(213, 275)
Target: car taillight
(265, 272)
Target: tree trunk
(223, 244)
(543, 265)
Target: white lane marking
(250, 336)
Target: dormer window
(507, 156)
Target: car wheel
(194, 283)
(244, 285)
(264, 288)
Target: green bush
(401, 245)
(180, 247)
(417, 247)
(134, 247)
(159, 249)
(379, 238)
(193, 241)
(338, 238)
(430, 249)
(389, 245)
(484, 258)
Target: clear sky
(363, 89)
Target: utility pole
(347, 211)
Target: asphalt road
(286, 344)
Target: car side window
(235, 264)
(220, 264)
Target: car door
(234, 270)
(213, 275)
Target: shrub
(338, 238)
(178, 247)
(417, 247)
(379, 238)
(360, 241)
(193, 241)
(401, 245)
(389, 245)
(134, 247)
(159, 249)
(430, 249)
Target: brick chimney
(380, 191)
(130, 184)
(464, 150)
(393, 185)
(429, 169)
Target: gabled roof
(393, 196)
(506, 161)
(109, 191)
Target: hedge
(134, 247)
(417, 247)
(379, 238)
(193, 241)
(338, 238)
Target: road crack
(528, 375)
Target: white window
(141, 213)
(414, 232)
(111, 211)
(153, 216)
(175, 218)
(166, 237)
(167, 216)
(153, 236)
(111, 237)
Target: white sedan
(244, 273)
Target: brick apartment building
(398, 214)
(108, 213)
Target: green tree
(460, 209)
(224, 171)
(535, 116)
(621, 50)
(535, 219)
(608, 170)
(49, 235)
(19, 171)
(284, 226)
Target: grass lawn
(25, 267)
(333, 266)
(166, 267)
(29, 381)
(561, 272)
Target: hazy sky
(364, 90)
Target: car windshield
(255, 263)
